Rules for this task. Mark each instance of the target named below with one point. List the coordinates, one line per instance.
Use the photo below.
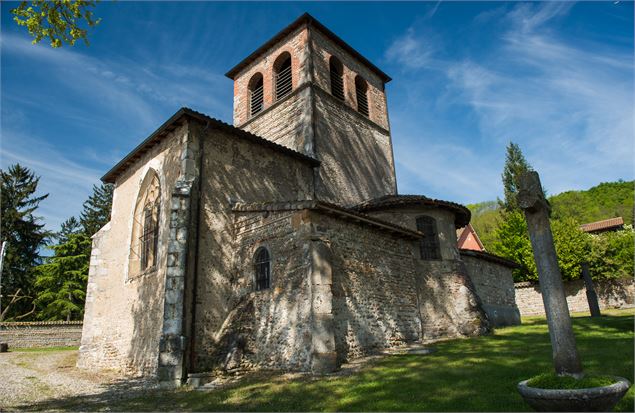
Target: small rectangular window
(429, 244)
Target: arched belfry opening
(361, 93)
(145, 227)
(256, 94)
(283, 75)
(336, 70)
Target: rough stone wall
(41, 334)
(494, 285)
(373, 288)
(288, 124)
(407, 217)
(356, 155)
(268, 328)
(123, 317)
(233, 170)
(448, 303)
(296, 44)
(618, 293)
(324, 48)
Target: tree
(61, 281)
(21, 229)
(515, 165)
(97, 208)
(61, 21)
(512, 242)
(612, 254)
(69, 227)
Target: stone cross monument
(532, 201)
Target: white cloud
(568, 105)
(411, 51)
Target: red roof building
(467, 239)
(611, 224)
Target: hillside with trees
(502, 228)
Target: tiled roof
(175, 120)
(328, 208)
(462, 214)
(309, 20)
(462, 235)
(604, 225)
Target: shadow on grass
(478, 374)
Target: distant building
(467, 239)
(606, 225)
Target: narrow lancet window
(256, 95)
(145, 232)
(283, 77)
(361, 92)
(337, 79)
(429, 245)
(262, 264)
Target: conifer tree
(24, 234)
(61, 281)
(515, 165)
(97, 207)
(69, 227)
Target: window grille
(361, 92)
(337, 81)
(429, 244)
(283, 79)
(149, 236)
(256, 96)
(262, 263)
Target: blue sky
(557, 78)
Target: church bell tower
(308, 90)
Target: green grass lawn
(478, 374)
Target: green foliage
(612, 254)
(24, 234)
(515, 166)
(606, 200)
(486, 218)
(97, 207)
(69, 227)
(512, 242)
(61, 281)
(553, 381)
(61, 21)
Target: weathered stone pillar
(324, 356)
(592, 297)
(172, 344)
(532, 201)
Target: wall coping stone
(9, 324)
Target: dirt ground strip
(44, 380)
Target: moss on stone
(553, 381)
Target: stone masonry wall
(123, 317)
(374, 293)
(233, 170)
(324, 48)
(41, 334)
(495, 287)
(618, 293)
(296, 45)
(356, 155)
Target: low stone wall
(41, 334)
(494, 284)
(618, 293)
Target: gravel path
(49, 380)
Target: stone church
(280, 242)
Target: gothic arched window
(283, 78)
(337, 79)
(256, 96)
(361, 92)
(262, 268)
(145, 229)
(429, 244)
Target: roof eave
(304, 19)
